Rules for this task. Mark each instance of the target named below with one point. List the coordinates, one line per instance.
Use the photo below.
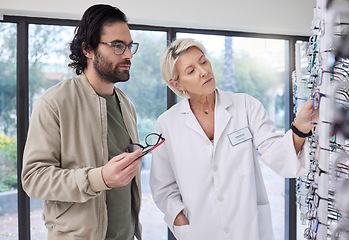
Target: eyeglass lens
(120, 48)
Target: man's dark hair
(89, 31)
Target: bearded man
(75, 156)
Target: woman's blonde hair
(170, 57)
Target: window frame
(23, 105)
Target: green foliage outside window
(8, 143)
(46, 46)
(255, 77)
(8, 41)
(8, 163)
(146, 89)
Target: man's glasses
(152, 141)
(120, 47)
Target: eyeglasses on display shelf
(325, 187)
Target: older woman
(206, 178)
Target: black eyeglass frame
(131, 46)
(149, 146)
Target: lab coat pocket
(181, 232)
(264, 222)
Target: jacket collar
(86, 84)
(126, 111)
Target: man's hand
(121, 169)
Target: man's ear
(86, 50)
(176, 84)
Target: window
(48, 59)
(301, 92)
(8, 131)
(147, 91)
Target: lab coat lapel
(190, 119)
(222, 115)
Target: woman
(206, 178)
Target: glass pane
(147, 91)
(48, 60)
(255, 66)
(8, 131)
(301, 92)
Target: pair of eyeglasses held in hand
(152, 141)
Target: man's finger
(129, 158)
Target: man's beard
(106, 72)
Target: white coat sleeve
(276, 150)
(163, 183)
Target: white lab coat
(219, 186)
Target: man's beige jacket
(64, 153)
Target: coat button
(226, 229)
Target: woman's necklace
(206, 111)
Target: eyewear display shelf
(322, 74)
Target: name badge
(240, 136)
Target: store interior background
(254, 16)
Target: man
(74, 156)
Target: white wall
(291, 17)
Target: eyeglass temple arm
(151, 149)
(155, 146)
